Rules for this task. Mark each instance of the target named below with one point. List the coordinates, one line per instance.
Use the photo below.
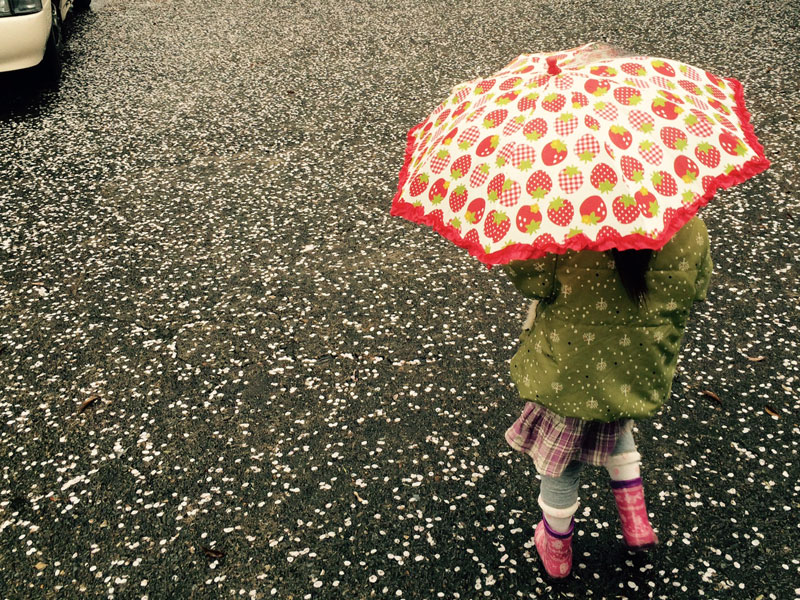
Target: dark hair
(632, 266)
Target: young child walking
(600, 352)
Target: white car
(31, 34)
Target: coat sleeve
(706, 266)
(534, 278)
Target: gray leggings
(562, 491)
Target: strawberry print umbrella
(582, 149)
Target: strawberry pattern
(586, 150)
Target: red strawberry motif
(603, 71)
(664, 183)
(731, 144)
(720, 83)
(651, 152)
(440, 161)
(690, 86)
(570, 179)
(479, 175)
(647, 203)
(707, 154)
(544, 241)
(664, 68)
(505, 154)
(554, 153)
(625, 208)
(418, 184)
(593, 210)
(597, 87)
(634, 69)
(698, 124)
(553, 102)
(579, 100)
(458, 198)
(591, 123)
(560, 212)
(475, 210)
(484, 86)
(714, 92)
(606, 110)
(609, 149)
(627, 96)
(641, 121)
(507, 98)
(669, 214)
(665, 109)
(514, 125)
(460, 167)
(461, 109)
(587, 148)
(495, 118)
(686, 168)
(566, 124)
(510, 83)
(523, 157)
(487, 145)
(528, 102)
(603, 177)
(468, 137)
(438, 190)
(504, 189)
(632, 169)
(539, 185)
(535, 129)
(529, 217)
(442, 117)
(473, 237)
(607, 233)
(709, 184)
(673, 138)
(496, 225)
(450, 136)
(620, 137)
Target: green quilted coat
(592, 353)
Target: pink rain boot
(636, 529)
(555, 549)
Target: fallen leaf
(88, 402)
(754, 358)
(40, 565)
(770, 410)
(712, 395)
(211, 553)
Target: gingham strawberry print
(502, 145)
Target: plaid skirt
(553, 441)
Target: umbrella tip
(552, 67)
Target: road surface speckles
(226, 371)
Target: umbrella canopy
(582, 149)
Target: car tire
(81, 5)
(50, 67)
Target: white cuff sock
(559, 519)
(624, 466)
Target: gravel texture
(226, 371)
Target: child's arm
(535, 279)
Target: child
(601, 351)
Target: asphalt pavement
(227, 372)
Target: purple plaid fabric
(553, 441)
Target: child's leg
(626, 482)
(558, 497)
(623, 464)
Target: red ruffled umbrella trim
(752, 167)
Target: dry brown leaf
(88, 402)
(211, 553)
(712, 395)
(40, 565)
(770, 410)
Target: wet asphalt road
(225, 371)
